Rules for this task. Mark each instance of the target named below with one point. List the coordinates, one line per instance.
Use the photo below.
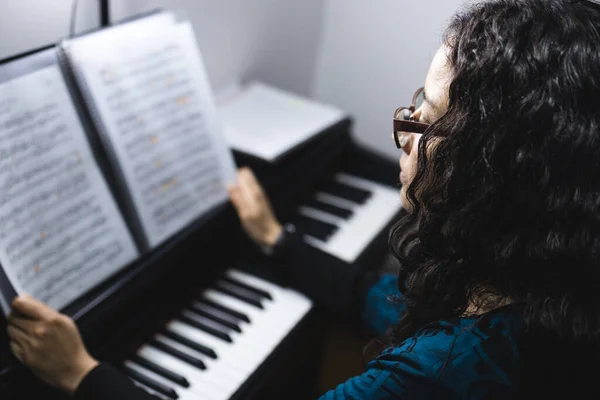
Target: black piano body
(126, 312)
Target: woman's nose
(416, 116)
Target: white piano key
(289, 301)
(249, 344)
(236, 361)
(228, 376)
(243, 356)
(243, 359)
(320, 215)
(355, 234)
(356, 181)
(246, 335)
(336, 201)
(252, 280)
(255, 314)
(183, 393)
(220, 369)
(234, 303)
(207, 321)
(200, 380)
(148, 389)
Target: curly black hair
(507, 205)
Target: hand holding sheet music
(144, 86)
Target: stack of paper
(267, 122)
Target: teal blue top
(463, 358)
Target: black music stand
(104, 13)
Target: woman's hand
(254, 209)
(49, 344)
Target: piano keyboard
(345, 215)
(214, 345)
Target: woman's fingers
(49, 344)
(248, 196)
(235, 196)
(19, 336)
(253, 208)
(24, 324)
(31, 308)
(244, 184)
(252, 182)
(240, 203)
(17, 350)
(249, 185)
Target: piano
(345, 205)
(204, 317)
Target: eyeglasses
(404, 124)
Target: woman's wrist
(71, 381)
(272, 234)
(281, 242)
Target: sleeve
(346, 290)
(444, 360)
(403, 372)
(106, 383)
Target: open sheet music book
(86, 187)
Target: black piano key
(260, 292)
(151, 383)
(241, 290)
(318, 229)
(162, 371)
(240, 294)
(209, 322)
(330, 208)
(149, 390)
(206, 328)
(347, 192)
(199, 347)
(205, 308)
(225, 309)
(228, 324)
(196, 362)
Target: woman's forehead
(438, 78)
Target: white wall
(272, 40)
(374, 55)
(29, 24)
(365, 56)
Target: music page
(60, 230)
(155, 102)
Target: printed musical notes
(149, 86)
(60, 230)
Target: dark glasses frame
(403, 121)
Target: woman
(500, 251)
